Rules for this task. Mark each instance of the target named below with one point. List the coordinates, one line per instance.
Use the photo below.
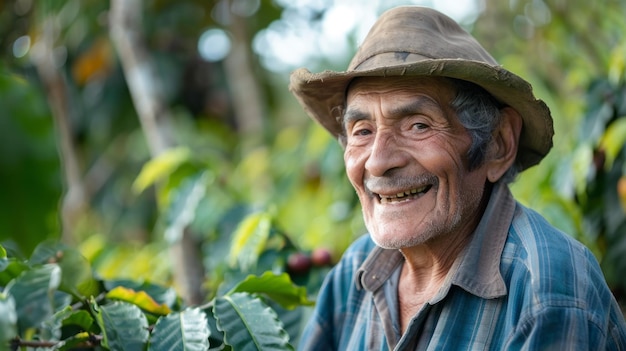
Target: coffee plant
(54, 301)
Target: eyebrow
(352, 116)
(420, 103)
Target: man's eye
(361, 132)
(420, 126)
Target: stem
(93, 342)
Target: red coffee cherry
(321, 257)
(298, 263)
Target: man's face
(406, 157)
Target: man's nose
(386, 154)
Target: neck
(423, 273)
(428, 264)
(433, 259)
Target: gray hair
(479, 112)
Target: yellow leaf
(613, 140)
(160, 167)
(249, 239)
(139, 298)
(617, 63)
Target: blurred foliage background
(143, 132)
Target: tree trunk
(75, 201)
(146, 91)
(244, 88)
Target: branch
(141, 77)
(93, 342)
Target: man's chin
(395, 242)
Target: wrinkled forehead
(440, 90)
(432, 86)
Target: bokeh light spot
(214, 45)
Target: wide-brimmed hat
(418, 41)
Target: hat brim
(322, 95)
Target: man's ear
(503, 149)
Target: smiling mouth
(404, 196)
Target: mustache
(377, 184)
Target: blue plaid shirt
(519, 285)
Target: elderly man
(434, 130)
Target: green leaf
(216, 337)
(182, 209)
(279, 288)
(124, 327)
(12, 270)
(139, 298)
(76, 275)
(33, 292)
(186, 330)
(293, 320)
(249, 240)
(249, 324)
(4, 262)
(50, 328)
(8, 321)
(80, 318)
(160, 167)
(48, 251)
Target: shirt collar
(477, 270)
(377, 268)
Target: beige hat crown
(418, 41)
